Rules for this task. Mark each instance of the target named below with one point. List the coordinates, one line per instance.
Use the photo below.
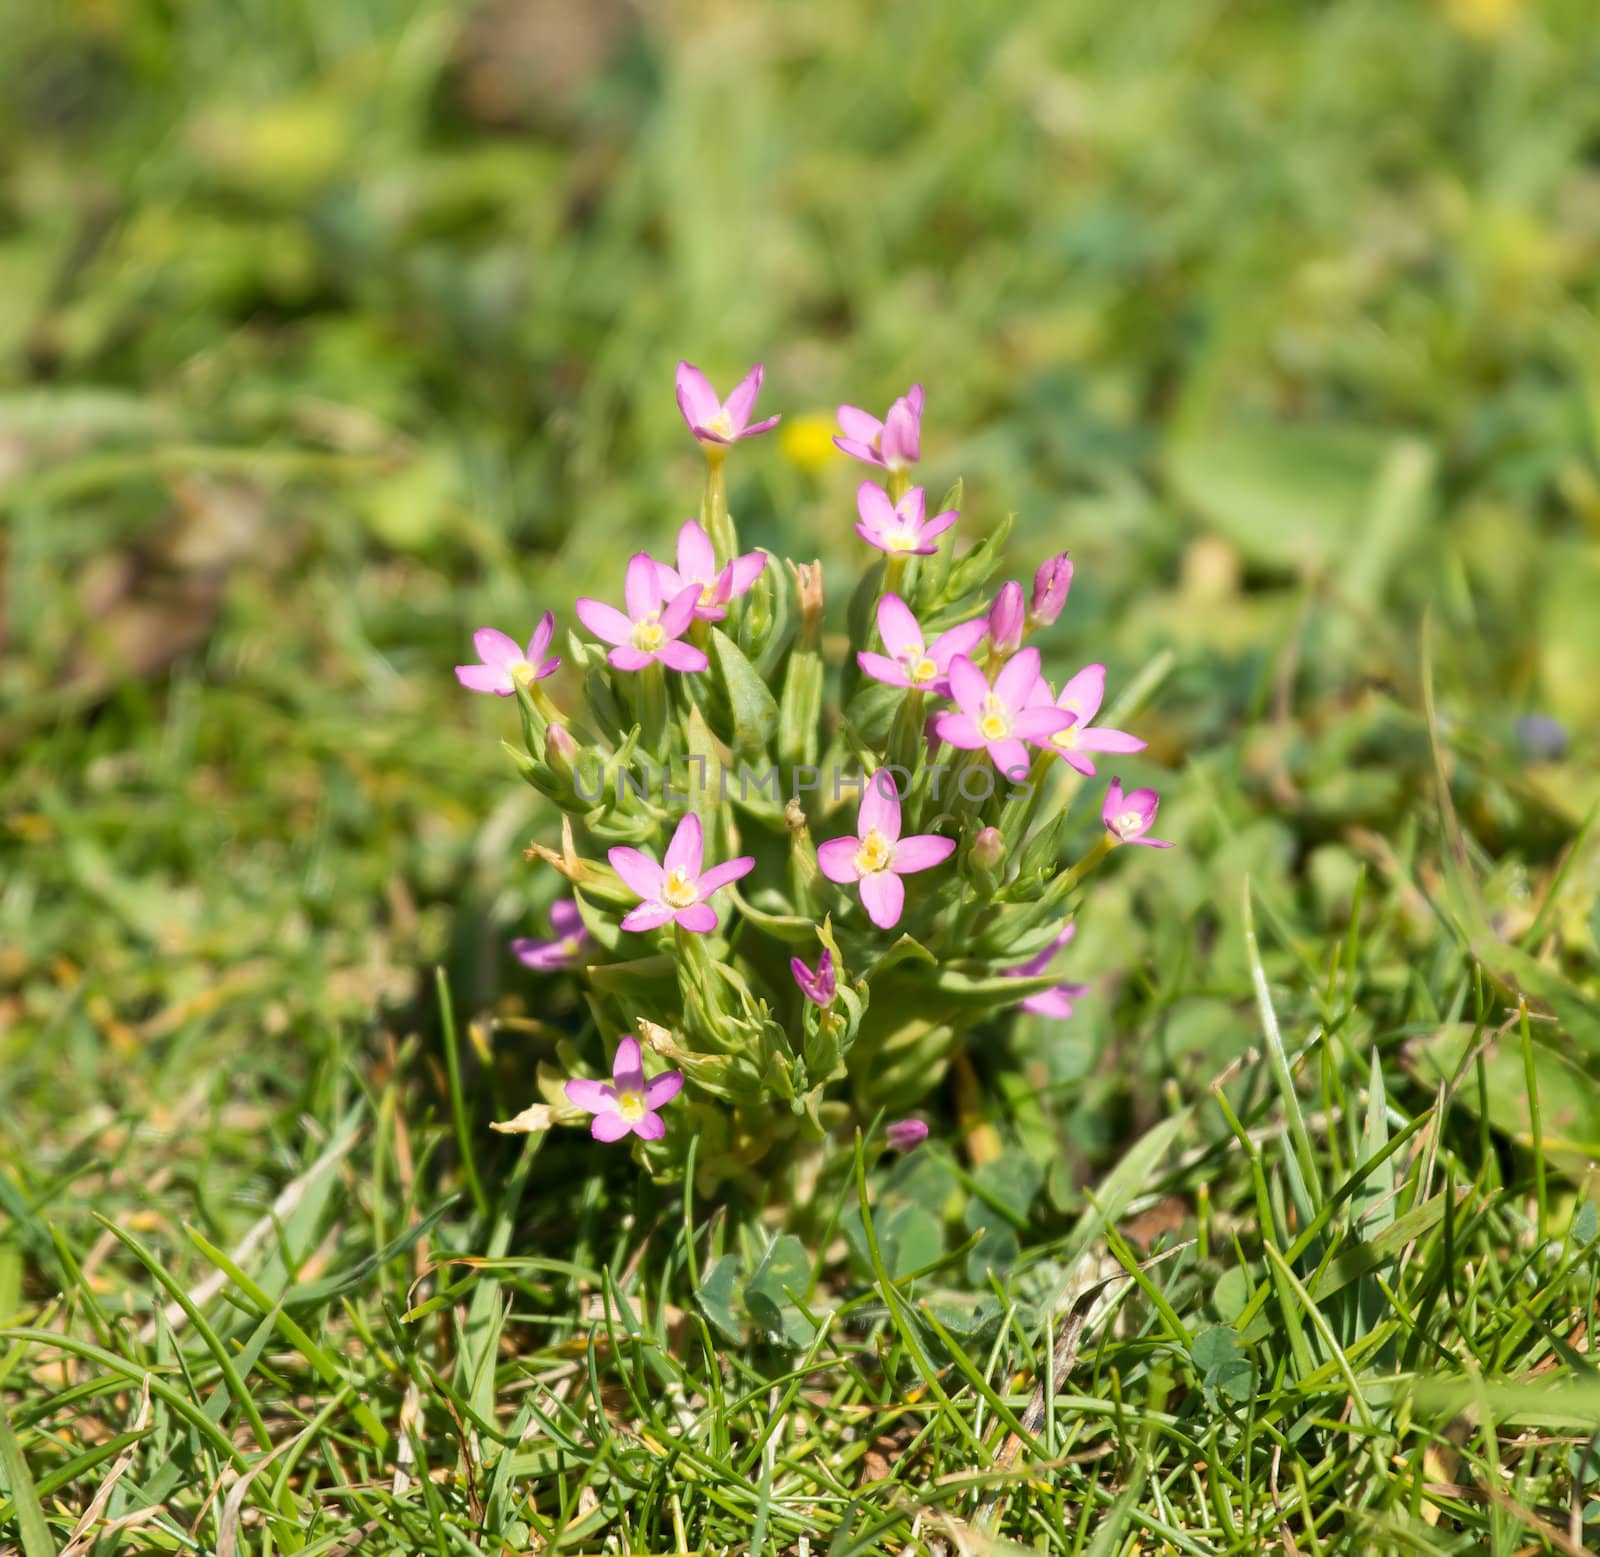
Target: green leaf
(859, 620)
(1586, 1223)
(994, 1253)
(715, 1297)
(1009, 1183)
(1569, 1094)
(924, 1178)
(753, 708)
(911, 1239)
(1211, 1348)
(1374, 1200)
(786, 1265)
(35, 1533)
(977, 567)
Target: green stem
(652, 706)
(1106, 844)
(952, 799)
(1016, 815)
(905, 736)
(714, 516)
(898, 484)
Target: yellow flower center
(902, 540)
(721, 424)
(647, 635)
(1127, 822)
(873, 855)
(994, 724)
(631, 1106)
(708, 590)
(678, 889)
(1066, 739)
(918, 666)
(524, 672)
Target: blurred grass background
(329, 332)
(333, 331)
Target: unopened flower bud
(1005, 619)
(905, 1134)
(988, 849)
(560, 750)
(1050, 586)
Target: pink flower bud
(988, 849)
(906, 1134)
(560, 749)
(1050, 586)
(1005, 619)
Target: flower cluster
(898, 812)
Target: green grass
(332, 332)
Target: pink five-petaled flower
(571, 936)
(905, 1135)
(877, 857)
(1055, 1002)
(717, 423)
(1128, 817)
(1081, 697)
(895, 442)
(697, 564)
(999, 718)
(676, 890)
(653, 625)
(627, 1104)
(819, 986)
(504, 664)
(910, 662)
(901, 528)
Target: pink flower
(819, 986)
(1081, 697)
(1055, 1002)
(1129, 817)
(677, 888)
(653, 625)
(998, 718)
(878, 856)
(697, 565)
(906, 1134)
(1050, 586)
(899, 528)
(910, 663)
(1005, 619)
(504, 664)
(895, 442)
(720, 422)
(571, 936)
(626, 1105)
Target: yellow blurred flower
(807, 440)
(1482, 18)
